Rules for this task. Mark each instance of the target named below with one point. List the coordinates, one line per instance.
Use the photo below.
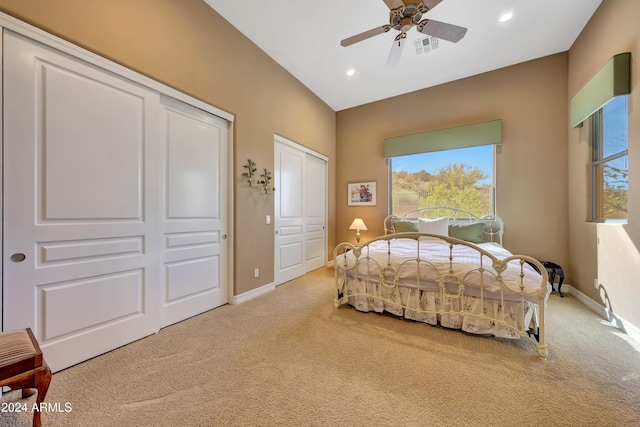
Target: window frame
(597, 143)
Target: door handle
(18, 257)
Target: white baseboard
(239, 299)
(605, 313)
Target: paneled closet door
(300, 210)
(81, 204)
(315, 213)
(290, 181)
(194, 276)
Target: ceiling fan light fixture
(506, 16)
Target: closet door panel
(315, 213)
(194, 205)
(289, 180)
(81, 148)
(300, 210)
(81, 204)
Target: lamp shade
(357, 224)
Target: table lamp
(358, 224)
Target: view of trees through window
(461, 179)
(610, 160)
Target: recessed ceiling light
(351, 72)
(505, 17)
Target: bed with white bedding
(468, 282)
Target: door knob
(18, 257)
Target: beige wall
(609, 252)
(188, 46)
(531, 165)
(542, 182)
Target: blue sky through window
(480, 157)
(615, 131)
(615, 126)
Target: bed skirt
(486, 316)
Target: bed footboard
(448, 282)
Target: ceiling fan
(405, 15)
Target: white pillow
(438, 226)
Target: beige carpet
(288, 358)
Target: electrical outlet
(256, 272)
(268, 219)
(595, 283)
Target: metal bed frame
(361, 273)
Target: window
(609, 165)
(461, 178)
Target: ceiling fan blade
(394, 4)
(430, 4)
(442, 30)
(396, 50)
(363, 36)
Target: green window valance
(613, 79)
(472, 135)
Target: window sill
(610, 221)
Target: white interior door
(194, 219)
(300, 210)
(315, 213)
(81, 208)
(289, 180)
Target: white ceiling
(304, 36)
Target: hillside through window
(461, 178)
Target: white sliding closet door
(194, 220)
(115, 205)
(300, 210)
(81, 216)
(315, 213)
(289, 180)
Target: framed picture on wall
(362, 193)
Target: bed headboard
(491, 232)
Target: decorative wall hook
(251, 170)
(265, 181)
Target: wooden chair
(23, 367)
